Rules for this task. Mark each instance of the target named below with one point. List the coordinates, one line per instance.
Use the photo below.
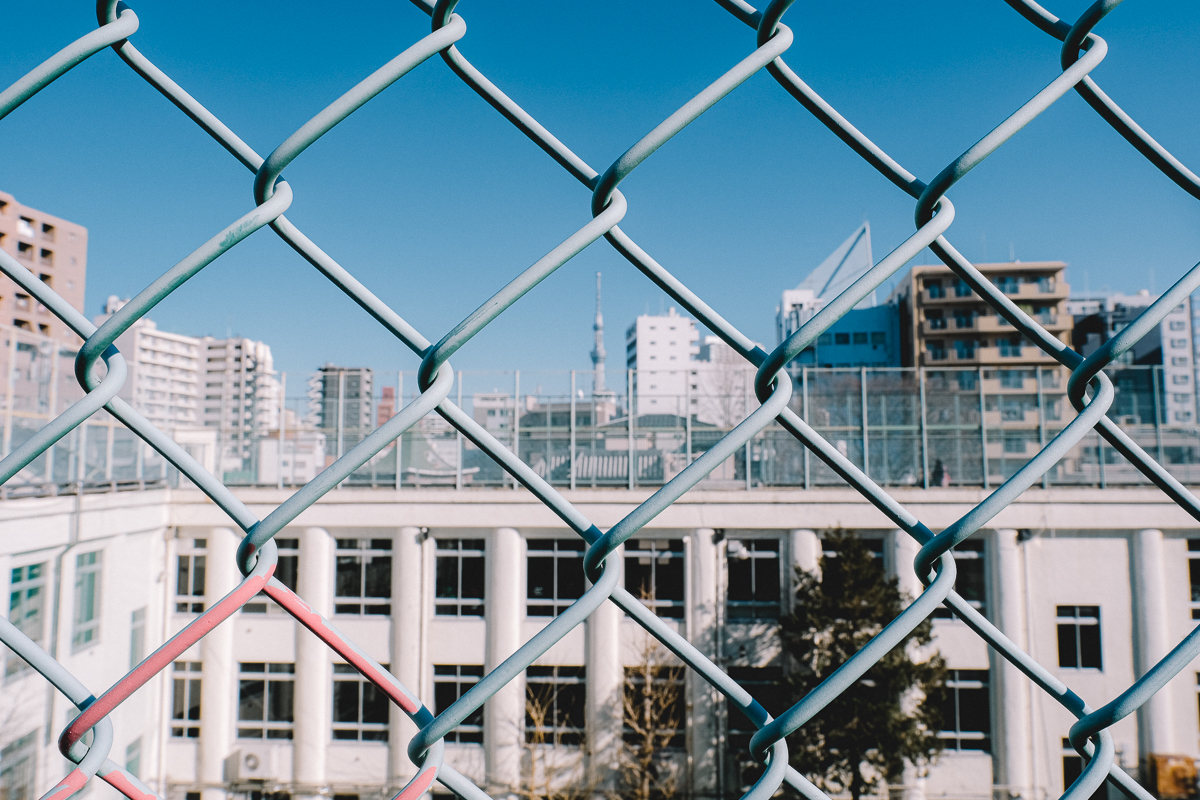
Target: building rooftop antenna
(598, 353)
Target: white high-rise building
(660, 349)
(241, 397)
(164, 371)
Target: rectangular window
(133, 757)
(878, 338)
(17, 768)
(285, 571)
(190, 566)
(26, 610)
(1193, 546)
(934, 287)
(971, 583)
(360, 709)
(1079, 636)
(964, 348)
(654, 573)
(553, 576)
(654, 706)
(458, 584)
(860, 337)
(841, 338)
(966, 711)
(824, 339)
(766, 685)
(450, 682)
(1009, 348)
(364, 577)
(752, 568)
(1073, 768)
(185, 705)
(137, 636)
(266, 700)
(555, 699)
(86, 629)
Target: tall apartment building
(53, 249)
(944, 323)
(660, 350)
(241, 399)
(340, 403)
(165, 371)
(1169, 345)
(977, 365)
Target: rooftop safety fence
(101, 371)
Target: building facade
(53, 249)
(1168, 345)
(443, 587)
(166, 371)
(241, 400)
(660, 349)
(341, 402)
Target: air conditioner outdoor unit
(251, 763)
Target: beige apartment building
(975, 363)
(53, 249)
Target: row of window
(1009, 347)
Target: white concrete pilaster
(1012, 700)
(1155, 718)
(605, 683)
(314, 682)
(407, 589)
(903, 549)
(217, 688)
(702, 730)
(806, 550)
(504, 713)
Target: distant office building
(241, 399)
(495, 411)
(660, 349)
(165, 371)
(866, 336)
(1169, 344)
(341, 400)
(943, 323)
(53, 249)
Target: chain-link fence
(841, 443)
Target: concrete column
(903, 549)
(504, 713)
(1155, 719)
(1012, 698)
(702, 628)
(217, 688)
(314, 682)
(605, 683)
(806, 550)
(407, 588)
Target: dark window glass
(752, 570)
(459, 577)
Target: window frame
(287, 571)
(1078, 620)
(367, 551)
(952, 734)
(759, 609)
(378, 731)
(191, 567)
(648, 548)
(21, 590)
(461, 677)
(85, 633)
(557, 735)
(459, 605)
(186, 699)
(275, 677)
(571, 550)
(971, 549)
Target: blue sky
(435, 201)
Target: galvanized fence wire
(1089, 390)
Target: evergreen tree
(889, 716)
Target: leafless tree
(653, 703)
(554, 770)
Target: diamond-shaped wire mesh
(1089, 390)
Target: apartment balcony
(948, 326)
(987, 357)
(1021, 291)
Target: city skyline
(801, 204)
